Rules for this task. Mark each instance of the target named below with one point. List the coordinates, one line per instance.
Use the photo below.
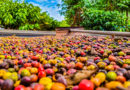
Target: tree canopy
(97, 14)
(91, 14)
(72, 10)
(24, 16)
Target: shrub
(103, 20)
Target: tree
(103, 20)
(124, 5)
(47, 22)
(96, 14)
(72, 9)
(24, 16)
(63, 23)
(112, 5)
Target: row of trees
(97, 14)
(24, 16)
(91, 14)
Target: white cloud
(52, 1)
(20, 0)
(53, 11)
(41, 0)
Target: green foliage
(97, 14)
(29, 27)
(92, 14)
(103, 20)
(47, 22)
(110, 5)
(72, 10)
(24, 16)
(63, 23)
(7, 19)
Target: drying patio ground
(66, 32)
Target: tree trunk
(111, 6)
(79, 18)
(75, 20)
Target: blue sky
(50, 6)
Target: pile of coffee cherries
(43, 63)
